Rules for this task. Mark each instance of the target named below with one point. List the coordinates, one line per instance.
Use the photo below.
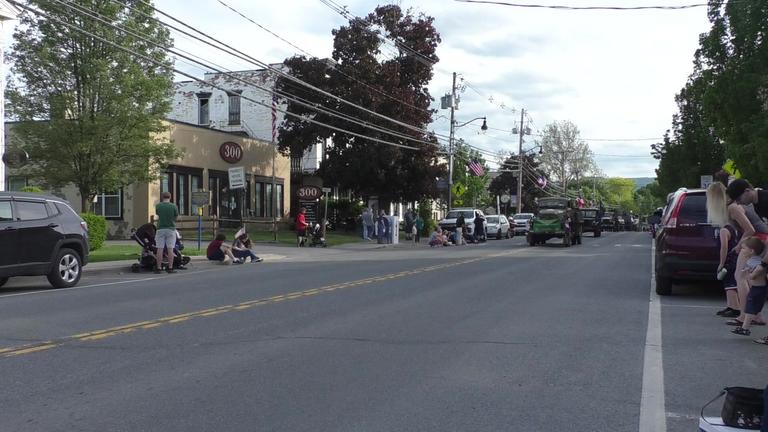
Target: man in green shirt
(167, 213)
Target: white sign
(706, 180)
(505, 198)
(327, 190)
(237, 178)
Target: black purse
(742, 408)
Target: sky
(612, 73)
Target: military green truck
(592, 221)
(557, 218)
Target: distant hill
(642, 181)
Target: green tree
(369, 168)
(620, 193)
(506, 182)
(90, 113)
(475, 187)
(648, 199)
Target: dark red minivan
(687, 247)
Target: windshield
(521, 216)
(590, 214)
(492, 219)
(552, 203)
(453, 214)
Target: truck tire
(531, 240)
(663, 285)
(66, 269)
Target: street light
(454, 126)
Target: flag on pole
(274, 117)
(475, 168)
(542, 182)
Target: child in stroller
(145, 237)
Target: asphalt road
(488, 337)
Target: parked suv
(686, 245)
(41, 235)
(449, 221)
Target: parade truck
(556, 218)
(592, 218)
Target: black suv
(41, 235)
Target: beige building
(207, 155)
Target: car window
(590, 213)
(65, 209)
(492, 219)
(521, 216)
(31, 210)
(693, 210)
(52, 210)
(5, 211)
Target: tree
(732, 61)
(90, 113)
(647, 199)
(506, 182)
(565, 156)
(620, 193)
(475, 188)
(369, 168)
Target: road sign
(237, 178)
(201, 198)
(706, 180)
(505, 198)
(327, 190)
(459, 189)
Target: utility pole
(520, 163)
(450, 144)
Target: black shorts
(217, 255)
(756, 299)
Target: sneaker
(733, 313)
(722, 311)
(238, 261)
(257, 260)
(741, 331)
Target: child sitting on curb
(758, 290)
(219, 251)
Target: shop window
(213, 186)
(182, 193)
(279, 201)
(234, 109)
(196, 185)
(268, 205)
(258, 210)
(109, 205)
(16, 183)
(204, 116)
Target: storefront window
(268, 205)
(279, 201)
(259, 201)
(213, 186)
(16, 183)
(182, 193)
(195, 186)
(109, 205)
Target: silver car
(521, 223)
(497, 226)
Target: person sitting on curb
(220, 251)
(242, 247)
(437, 239)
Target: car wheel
(66, 269)
(3, 281)
(663, 285)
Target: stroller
(145, 237)
(315, 237)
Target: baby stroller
(145, 237)
(315, 235)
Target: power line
(559, 7)
(267, 66)
(171, 68)
(288, 96)
(336, 65)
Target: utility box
(394, 229)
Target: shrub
(425, 212)
(97, 230)
(31, 189)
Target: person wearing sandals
(717, 216)
(758, 290)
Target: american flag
(475, 168)
(542, 182)
(274, 117)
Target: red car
(687, 247)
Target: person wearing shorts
(165, 238)
(757, 289)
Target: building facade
(8, 13)
(203, 166)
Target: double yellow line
(144, 325)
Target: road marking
(653, 416)
(144, 325)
